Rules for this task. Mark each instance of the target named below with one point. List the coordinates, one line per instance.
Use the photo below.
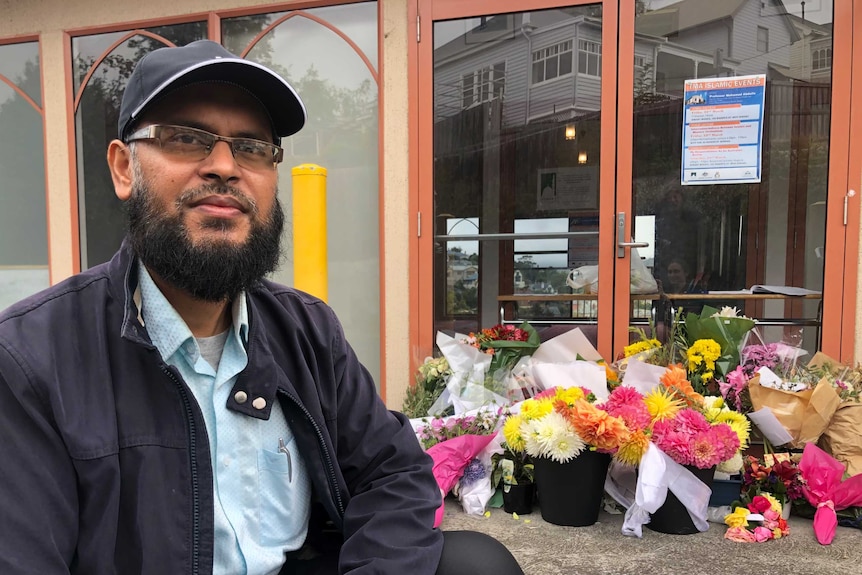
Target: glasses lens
(253, 153)
(186, 141)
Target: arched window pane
(23, 217)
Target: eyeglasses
(194, 145)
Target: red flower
(759, 504)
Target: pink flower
(726, 441)
(740, 535)
(704, 451)
(628, 404)
(691, 422)
(762, 534)
(771, 516)
(550, 392)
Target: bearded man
(172, 411)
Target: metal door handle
(621, 234)
(633, 244)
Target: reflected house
(461, 270)
(507, 89)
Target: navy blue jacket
(104, 457)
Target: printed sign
(575, 188)
(722, 132)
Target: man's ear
(120, 164)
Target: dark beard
(215, 270)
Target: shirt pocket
(284, 498)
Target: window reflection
(23, 217)
(101, 219)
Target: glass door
(603, 164)
(732, 111)
(517, 124)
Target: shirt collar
(166, 327)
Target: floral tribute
(430, 381)
(506, 343)
(782, 480)
(689, 428)
(560, 423)
(760, 521)
(440, 429)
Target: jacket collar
(255, 388)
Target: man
(172, 412)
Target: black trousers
(464, 553)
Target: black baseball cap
(164, 70)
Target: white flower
(732, 465)
(552, 437)
(727, 311)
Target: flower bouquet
(569, 440)
(457, 445)
(759, 521)
(780, 479)
(827, 490)
(724, 327)
(513, 471)
(677, 438)
(430, 382)
(481, 365)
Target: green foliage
(511, 468)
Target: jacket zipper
(333, 481)
(194, 469)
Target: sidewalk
(546, 549)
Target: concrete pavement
(546, 549)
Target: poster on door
(569, 188)
(722, 131)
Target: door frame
(615, 188)
(421, 90)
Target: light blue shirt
(262, 497)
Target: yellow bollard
(309, 230)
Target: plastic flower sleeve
(450, 458)
(826, 491)
(657, 474)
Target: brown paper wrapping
(805, 414)
(843, 438)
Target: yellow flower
(512, 433)
(776, 533)
(738, 423)
(704, 351)
(739, 518)
(632, 450)
(662, 404)
(641, 346)
(570, 394)
(536, 408)
(773, 502)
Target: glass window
(590, 58)
(507, 170)
(724, 236)
(483, 85)
(552, 62)
(101, 219)
(338, 84)
(762, 39)
(23, 215)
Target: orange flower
(674, 380)
(595, 426)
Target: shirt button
(240, 397)
(226, 461)
(258, 403)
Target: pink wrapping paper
(450, 458)
(826, 491)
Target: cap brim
(277, 96)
